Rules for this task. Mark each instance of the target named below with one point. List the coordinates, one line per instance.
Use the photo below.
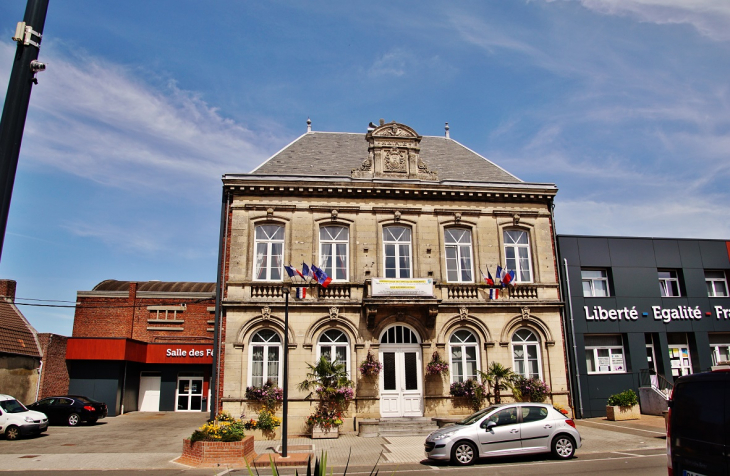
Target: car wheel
(12, 432)
(73, 419)
(563, 447)
(463, 453)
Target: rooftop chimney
(7, 289)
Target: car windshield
(474, 417)
(13, 406)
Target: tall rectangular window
(595, 282)
(269, 246)
(334, 245)
(604, 354)
(669, 283)
(517, 254)
(720, 347)
(397, 252)
(458, 255)
(716, 283)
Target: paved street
(150, 441)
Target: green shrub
(626, 398)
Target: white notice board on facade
(402, 287)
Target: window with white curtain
(397, 252)
(458, 255)
(334, 244)
(269, 246)
(463, 356)
(526, 354)
(334, 345)
(517, 254)
(265, 356)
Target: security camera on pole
(28, 34)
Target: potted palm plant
(330, 382)
(500, 378)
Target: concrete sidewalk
(138, 441)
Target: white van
(16, 420)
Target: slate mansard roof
(336, 154)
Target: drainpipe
(572, 331)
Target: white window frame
(469, 341)
(613, 368)
(274, 341)
(521, 260)
(328, 247)
(326, 345)
(524, 344)
(591, 282)
(665, 283)
(268, 242)
(396, 242)
(712, 281)
(462, 251)
(716, 349)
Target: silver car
(504, 430)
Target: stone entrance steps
(406, 426)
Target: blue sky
(623, 104)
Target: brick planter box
(208, 454)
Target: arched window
(463, 355)
(517, 254)
(269, 246)
(334, 244)
(397, 252)
(265, 355)
(458, 255)
(334, 345)
(526, 354)
(399, 335)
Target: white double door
(401, 381)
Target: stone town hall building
(369, 208)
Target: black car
(698, 441)
(71, 409)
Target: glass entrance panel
(189, 394)
(680, 361)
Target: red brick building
(143, 346)
(53, 373)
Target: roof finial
(446, 128)
(309, 125)
(382, 121)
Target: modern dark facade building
(641, 310)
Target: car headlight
(443, 435)
(29, 419)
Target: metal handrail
(658, 381)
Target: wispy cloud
(99, 120)
(710, 18)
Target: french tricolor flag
(301, 293)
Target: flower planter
(319, 432)
(616, 413)
(210, 454)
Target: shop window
(265, 356)
(604, 354)
(334, 245)
(463, 355)
(269, 246)
(458, 249)
(397, 252)
(679, 356)
(720, 346)
(716, 282)
(334, 345)
(595, 282)
(669, 283)
(517, 254)
(526, 354)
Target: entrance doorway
(401, 381)
(189, 394)
(679, 356)
(149, 393)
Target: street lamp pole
(285, 406)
